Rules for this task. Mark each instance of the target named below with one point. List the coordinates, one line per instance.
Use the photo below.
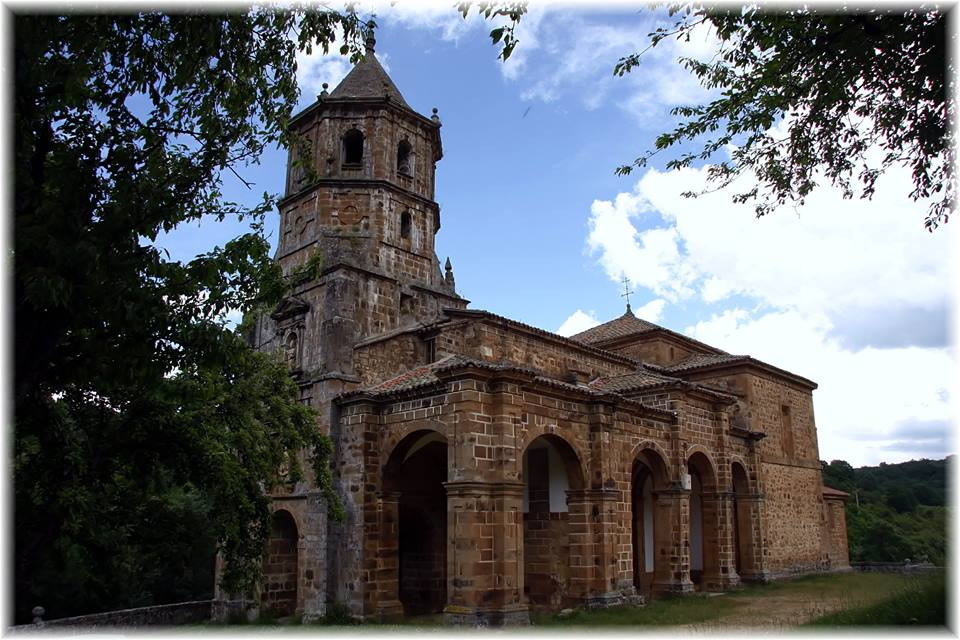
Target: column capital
(388, 496)
(587, 495)
(469, 487)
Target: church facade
(489, 468)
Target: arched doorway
(550, 468)
(414, 475)
(649, 475)
(280, 569)
(742, 522)
(704, 521)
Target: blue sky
(854, 295)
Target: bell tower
(365, 212)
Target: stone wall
(156, 616)
(793, 531)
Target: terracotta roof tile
(836, 493)
(702, 360)
(368, 80)
(625, 325)
(628, 381)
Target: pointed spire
(368, 79)
(448, 276)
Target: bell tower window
(404, 158)
(353, 149)
(405, 225)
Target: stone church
(487, 467)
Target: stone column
(387, 559)
(719, 571)
(594, 539)
(750, 515)
(672, 542)
(485, 554)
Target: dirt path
(775, 611)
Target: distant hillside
(895, 511)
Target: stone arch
(705, 521)
(414, 510)
(582, 457)
(650, 518)
(661, 459)
(550, 468)
(281, 565)
(390, 445)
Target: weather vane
(626, 291)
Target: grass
(663, 611)
(921, 601)
(862, 599)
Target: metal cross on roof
(626, 291)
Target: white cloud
(809, 277)
(577, 322)
(317, 67)
(864, 396)
(564, 53)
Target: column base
(613, 599)
(756, 577)
(508, 616)
(678, 588)
(722, 582)
(389, 611)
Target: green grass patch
(919, 601)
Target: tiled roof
(368, 80)
(703, 360)
(830, 491)
(412, 378)
(628, 381)
(625, 325)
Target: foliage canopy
(804, 92)
(133, 400)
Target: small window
(786, 424)
(405, 225)
(353, 148)
(430, 350)
(404, 164)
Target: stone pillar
(387, 559)
(313, 558)
(719, 570)
(485, 554)
(594, 541)
(672, 542)
(749, 516)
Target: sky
(854, 295)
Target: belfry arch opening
(551, 468)
(413, 483)
(353, 148)
(704, 522)
(281, 566)
(405, 158)
(650, 531)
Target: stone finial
(435, 117)
(448, 276)
(324, 93)
(38, 615)
(371, 41)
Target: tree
(133, 399)
(807, 91)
